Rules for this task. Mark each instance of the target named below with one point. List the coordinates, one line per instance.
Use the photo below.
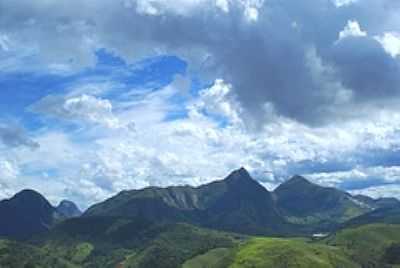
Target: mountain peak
(298, 179)
(66, 203)
(28, 194)
(295, 182)
(68, 209)
(240, 174)
(25, 214)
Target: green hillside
(107, 242)
(388, 215)
(274, 253)
(215, 258)
(370, 245)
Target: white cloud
(352, 29)
(91, 109)
(81, 108)
(390, 42)
(218, 100)
(8, 170)
(380, 191)
(223, 5)
(342, 3)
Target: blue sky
(101, 96)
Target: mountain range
(237, 203)
(226, 223)
(240, 204)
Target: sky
(98, 96)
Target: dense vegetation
(22, 255)
(107, 242)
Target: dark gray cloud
(14, 136)
(289, 57)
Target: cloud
(390, 42)
(270, 67)
(340, 3)
(81, 108)
(352, 29)
(8, 170)
(217, 100)
(12, 135)
(4, 42)
(381, 191)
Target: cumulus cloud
(352, 29)
(217, 100)
(84, 108)
(390, 42)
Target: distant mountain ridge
(306, 203)
(237, 203)
(240, 204)
(68, 209)
(28, 213)
(379, 202)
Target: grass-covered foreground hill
(368, 246)
(280, 253)
(372, 246)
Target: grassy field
(274, 253)
(215, 258)
(277, 253)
